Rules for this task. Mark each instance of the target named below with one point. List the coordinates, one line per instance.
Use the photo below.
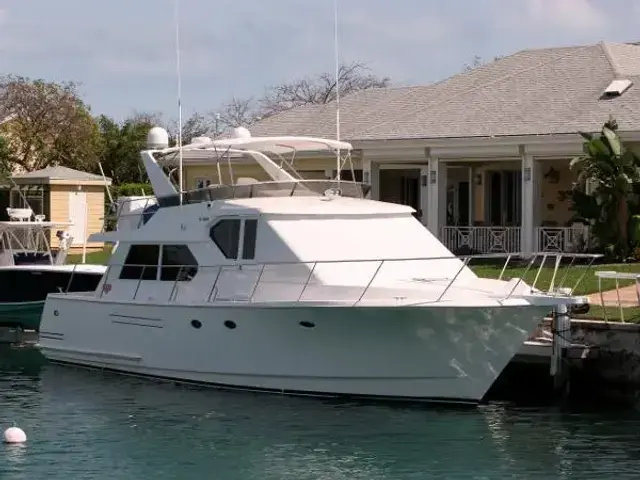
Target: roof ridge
(606, 48)
(476, 87)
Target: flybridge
(270, 153)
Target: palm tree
(612, 170)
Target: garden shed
(62, 194)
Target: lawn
(588, 284)
(96, 258)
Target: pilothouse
(289, 285)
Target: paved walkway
(628, 297)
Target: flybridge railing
(301, 188)
(189, 283)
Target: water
(99, 426)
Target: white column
(528, 242)
(437, 189)
(371, 175)
(472, 196)
(424, 194)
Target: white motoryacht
(291, 286)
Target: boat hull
(440, 354)
(24, 290)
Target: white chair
(19, 214)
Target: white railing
(184, 288)
(482, 239)
(559, 239)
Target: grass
(596, 312)
(588, 284)
(97, 258)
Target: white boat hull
(450, 354)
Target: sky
(123, 52)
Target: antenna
(337, 59)
(177, 22)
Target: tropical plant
(611, 169)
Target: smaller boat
(30, 269)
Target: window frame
(240, 254)
(205, 182)
(145, 268)
(185, 273)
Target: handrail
(448, 281)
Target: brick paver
(628, 297)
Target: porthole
(307, 324)
(229, 324)
(196, 323)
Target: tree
(121, 144)
(49, 125)
(478, 61)
(318, 89)
(195, 126)
(612, 170)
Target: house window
(250, 237)
(141, 263)
(202, 183)
(226, 235)
(348, 176)
(178, 264)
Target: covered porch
(506, 202)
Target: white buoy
(14, 435)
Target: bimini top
(242, 143)
(276, 145)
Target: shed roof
(61, 174)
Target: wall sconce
(478, 179)
(527, 174)
(423, 180)
(433, 177)
(366, 176)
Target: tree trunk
(623, 221)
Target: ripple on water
(96, 426)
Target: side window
(141, 262)
(250, 237)
(226, 235)
(178, 263)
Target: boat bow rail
(321, 282)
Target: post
(85, 233)
(561, 328)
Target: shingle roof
(60, 173)
(532, 92)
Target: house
(482, 156)
(64, 195)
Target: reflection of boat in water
(30, 270)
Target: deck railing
(213, 290)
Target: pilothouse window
(141, 263)
(178, 263)
(227, 233)
(250, 236)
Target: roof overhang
(56, 181)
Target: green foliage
(611, 170)
(121, 144)
(131, 190)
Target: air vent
(617, 87)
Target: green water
(100, 426)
